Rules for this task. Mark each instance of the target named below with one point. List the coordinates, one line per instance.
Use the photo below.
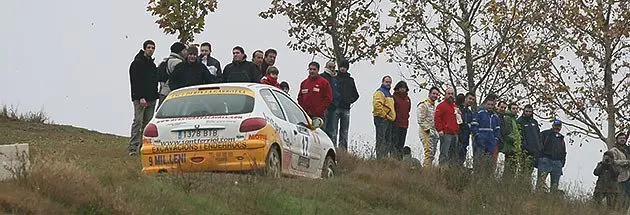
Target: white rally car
(236, 127)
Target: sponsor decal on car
(220, 91)
(156, 160)
(234, 117)
(193, 141)
(199, 147)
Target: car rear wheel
(330, 168)
(273, 168)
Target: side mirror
(317, 123)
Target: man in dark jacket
(464, 128)
(143, 79)
(269, 60)
(315, 93)
(241, 70)
(190, 73)
(348, 94)
(531, 141)
(552, 156)
(330, 126)
(213, 65)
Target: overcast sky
(72, 58)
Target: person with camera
(607, 186)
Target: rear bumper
(229, 157)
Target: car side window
(272, 103)
(295, 115)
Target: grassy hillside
(76, 171)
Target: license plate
(197, 133)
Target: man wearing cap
(178, 53)
(348, 94)
(330, 125)
(190, 73)
(552, 156)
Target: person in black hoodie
(330, 125)
(144, 82)
(190, 73)
(553, 156)
(348, 94)
(241, 70)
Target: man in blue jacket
(330, 125)
(531, 142)
(464, 128)
(486, 128)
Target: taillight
(151, 130)
(252, 124)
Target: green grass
(76, 171)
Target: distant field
(76, 171)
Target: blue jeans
(547, 166)
(330, 125)
(338, 124)
(384, 129)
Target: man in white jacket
(426, 119)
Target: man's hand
(143, 103)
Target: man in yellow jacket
(384, 115)
(429, 136)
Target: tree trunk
(334, 10)
(611, 110)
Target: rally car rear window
(206, 105)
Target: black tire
(273, 166)
(329, 170)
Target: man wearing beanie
(190, 73)
(178, 53)
(241, 70)
(348, 94)
(330, 74)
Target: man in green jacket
(511, 137)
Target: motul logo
(257, 137)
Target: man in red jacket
(447, 120)
(315, 93)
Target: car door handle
(295, 132)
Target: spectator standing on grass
(553, 156)
(271, 78)
(486, 132)
(402, 105)
(190, 73)
(531, 141)
(178, 54)
(511, 136)
(447, 120)
(607, 186)
(315, 93)
(622, 163)
(240, 70)
(384, 114)
(429, 136)
(348, 95)
(213, 65)
(464, 103)
(143, 81)
(330, 125)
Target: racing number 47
(305, 146)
